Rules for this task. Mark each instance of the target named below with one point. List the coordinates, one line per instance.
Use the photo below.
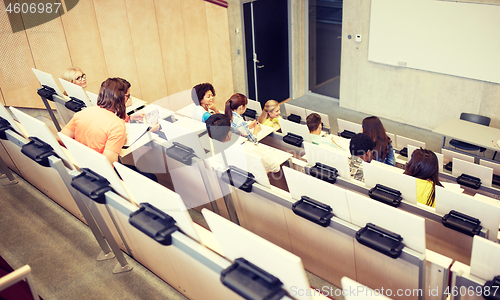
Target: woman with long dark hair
(383, 150)
(424, 165)
(235, 107)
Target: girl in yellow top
(270, 114)
(425, 166)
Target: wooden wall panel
(197, 44)
(173, 45)
(161, 47)
(19, 84)
(114, 29)
(84, 44)
(219, 52)
(146, 43)
(47, 43)
(1, 84)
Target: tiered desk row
(275, 233)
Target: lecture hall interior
(317, 205)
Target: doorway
(267, 49)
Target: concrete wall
(414, 97)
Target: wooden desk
(469, 132)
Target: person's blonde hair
(269, 106)
(70, 74)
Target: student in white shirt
(313, 122)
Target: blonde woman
(270, 114)
(75, 75)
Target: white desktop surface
(260, 150)
(39, 129)
(7, 116)
(237, 156)
(351, 126)
(190, 124)
(265, 131)
(469, 132)
(378, 174)
(330, 157)
(95, 161)
(485, 258)
(298, 129)
(296, 110)
(255, 105)
(487, 210)
(48, 80)
(366, 210)
(92, 97)
(464, 167)
(237, 242)
(355, 290)
(76, 91)
(144, 189)
(301, 184)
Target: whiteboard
(454, 38)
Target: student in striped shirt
(235, 107)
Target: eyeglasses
(82, 77)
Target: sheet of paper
(134, 132)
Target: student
(235, 107)
(75, 75)
(313, 122)
(203, 96)
(383, 151)
(102, 127)
(361, 148)
(270, 114)
(219, 128)
(424, 165)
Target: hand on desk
(155, 128)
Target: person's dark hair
(218, 126)
(313, 121)
(199, 91)
(372, 126)
(112, 96)
(233, 103)
(360, 144)
(424, 164)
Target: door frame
(306, 41)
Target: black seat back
(478, 119)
